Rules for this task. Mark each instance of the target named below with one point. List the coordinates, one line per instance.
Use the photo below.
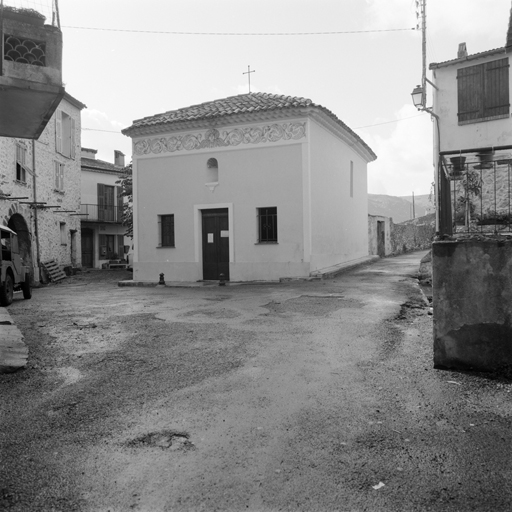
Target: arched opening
(212, 170)
(18, 224)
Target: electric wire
(241, 33)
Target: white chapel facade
(253, 187)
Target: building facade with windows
(254, 187)
(40, 189)
(103, 233)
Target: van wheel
(7, 291)
(26, 288)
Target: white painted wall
(249, 178)
(339, 222)
(476, 135)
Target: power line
(356, 128)
(97, 130)
(243, 33)
(389, 122)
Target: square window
(166, 230)
(267, 225)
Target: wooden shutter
(470, 92)
(101, 201)
(72, 149)
(496, 96)
(119, 213)
(58, 131)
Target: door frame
(198, 231)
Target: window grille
(267, 225)
(24, 51)
(166, 230)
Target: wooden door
(215, 244)
(87, 248)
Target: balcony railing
(480, 192)
(101, 213)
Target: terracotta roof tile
(241, 104)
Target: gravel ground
(298, 396)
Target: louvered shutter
(58, 131)
(101, 201)
(470, 93)
(496, 97)
(119, 213)
(72, 149)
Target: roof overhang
(321, 116)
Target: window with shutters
(21, 155)
(59, 176)
(166, 230)
(267, 225)
(65, 134)
(110, 203)
(483, 92)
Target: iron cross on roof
(248, 73)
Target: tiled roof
(92, 164)
(242, 104)
(435, 65)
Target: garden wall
(472, 300)
(413, 235)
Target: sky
(116, 63)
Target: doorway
(381, 238)
(87, 248)
(215, 226)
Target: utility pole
(413, 209)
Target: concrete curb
(13, 351)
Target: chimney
(508, 45)
(89, 153)
(118, 158)
(463, 51)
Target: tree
(126, 183)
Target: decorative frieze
(213, 138)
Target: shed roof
(95, 165)
(242, 104)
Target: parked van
(14, 276)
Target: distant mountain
(399, 208)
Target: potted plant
(458, 166)
(471, 188)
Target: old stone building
(40, 189)
(103, 234)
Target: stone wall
(472, 300)
(413, 235)
(408, 236)
(45, 240)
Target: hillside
(399, 208)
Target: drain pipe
(36, 226)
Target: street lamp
(417, 97)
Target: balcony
(112, 214)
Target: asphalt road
(314, 396)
